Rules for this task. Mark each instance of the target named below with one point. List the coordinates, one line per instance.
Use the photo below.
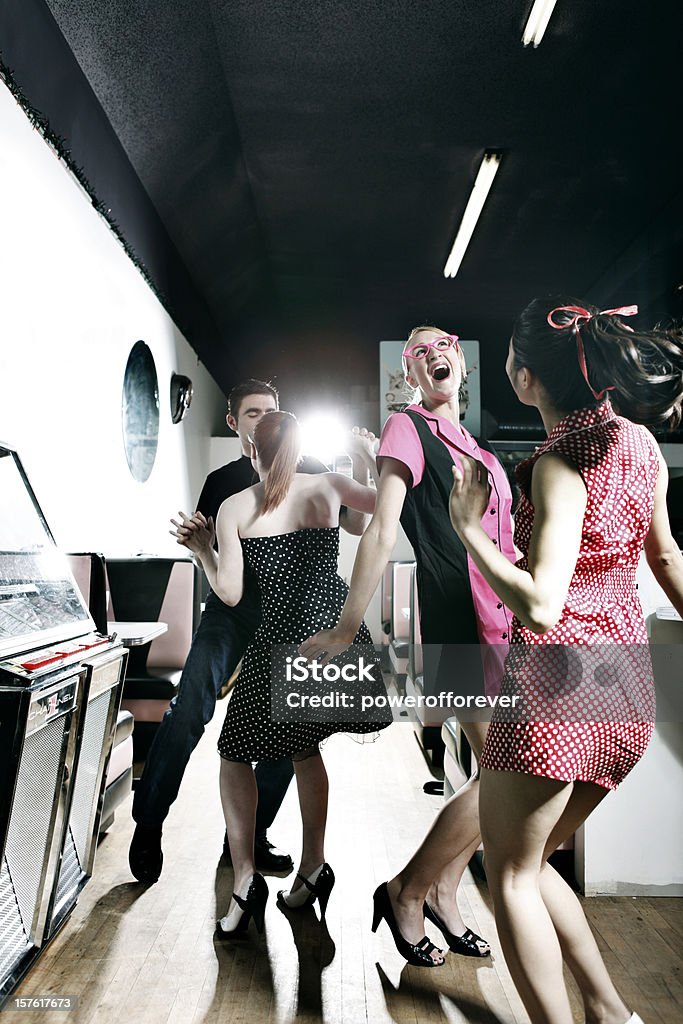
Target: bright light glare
(538, 21)
(475, 203)
(324, 436)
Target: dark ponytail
(277, 442)
(641, 371)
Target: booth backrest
(415, 655)
(400, 601)
(89, 572)
(385, 595)
(153, 590)
(178, 610)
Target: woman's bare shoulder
(311, 483)
(243, 502)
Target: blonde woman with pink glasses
(458, 612)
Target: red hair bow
(579, 315)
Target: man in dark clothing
(221, 639)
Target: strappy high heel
(318, 890)
(465, 944)
(253, 905)
(418, 954)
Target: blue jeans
(221, 639)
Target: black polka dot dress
(585, 689)
(301, 593)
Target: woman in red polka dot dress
(592, 497)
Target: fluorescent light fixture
(485, 176)
(537, 23)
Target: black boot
(145, 857)
(266, 856)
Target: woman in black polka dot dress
(284, 530)
(593, 495)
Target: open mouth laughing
(440, 371)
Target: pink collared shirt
(400, 441)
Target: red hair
(278, 445)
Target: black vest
(443, 581)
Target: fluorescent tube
(537, 23)
(484, 180)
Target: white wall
(72, 307)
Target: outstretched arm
(661, 550)
(353, 495)
(373, 554)
(559, 497)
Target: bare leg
(519, 815)
(601, 1000)
(438, 865)
(312, 787)
(239, 797)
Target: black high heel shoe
(319, 890)
(253, 905)
(418, 954)
(466, 944)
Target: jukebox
(60, 688)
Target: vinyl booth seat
(398, 661)
(427, 733)
(399, 643)
(148, 589)
(89, 570)
(120, 772)
(385, 586)
(457, 757)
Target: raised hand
(194, 532)
(362, 442)
(469, 495)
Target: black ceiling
(310, 162)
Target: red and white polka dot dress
(585, 693)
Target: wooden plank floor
(150, 955)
